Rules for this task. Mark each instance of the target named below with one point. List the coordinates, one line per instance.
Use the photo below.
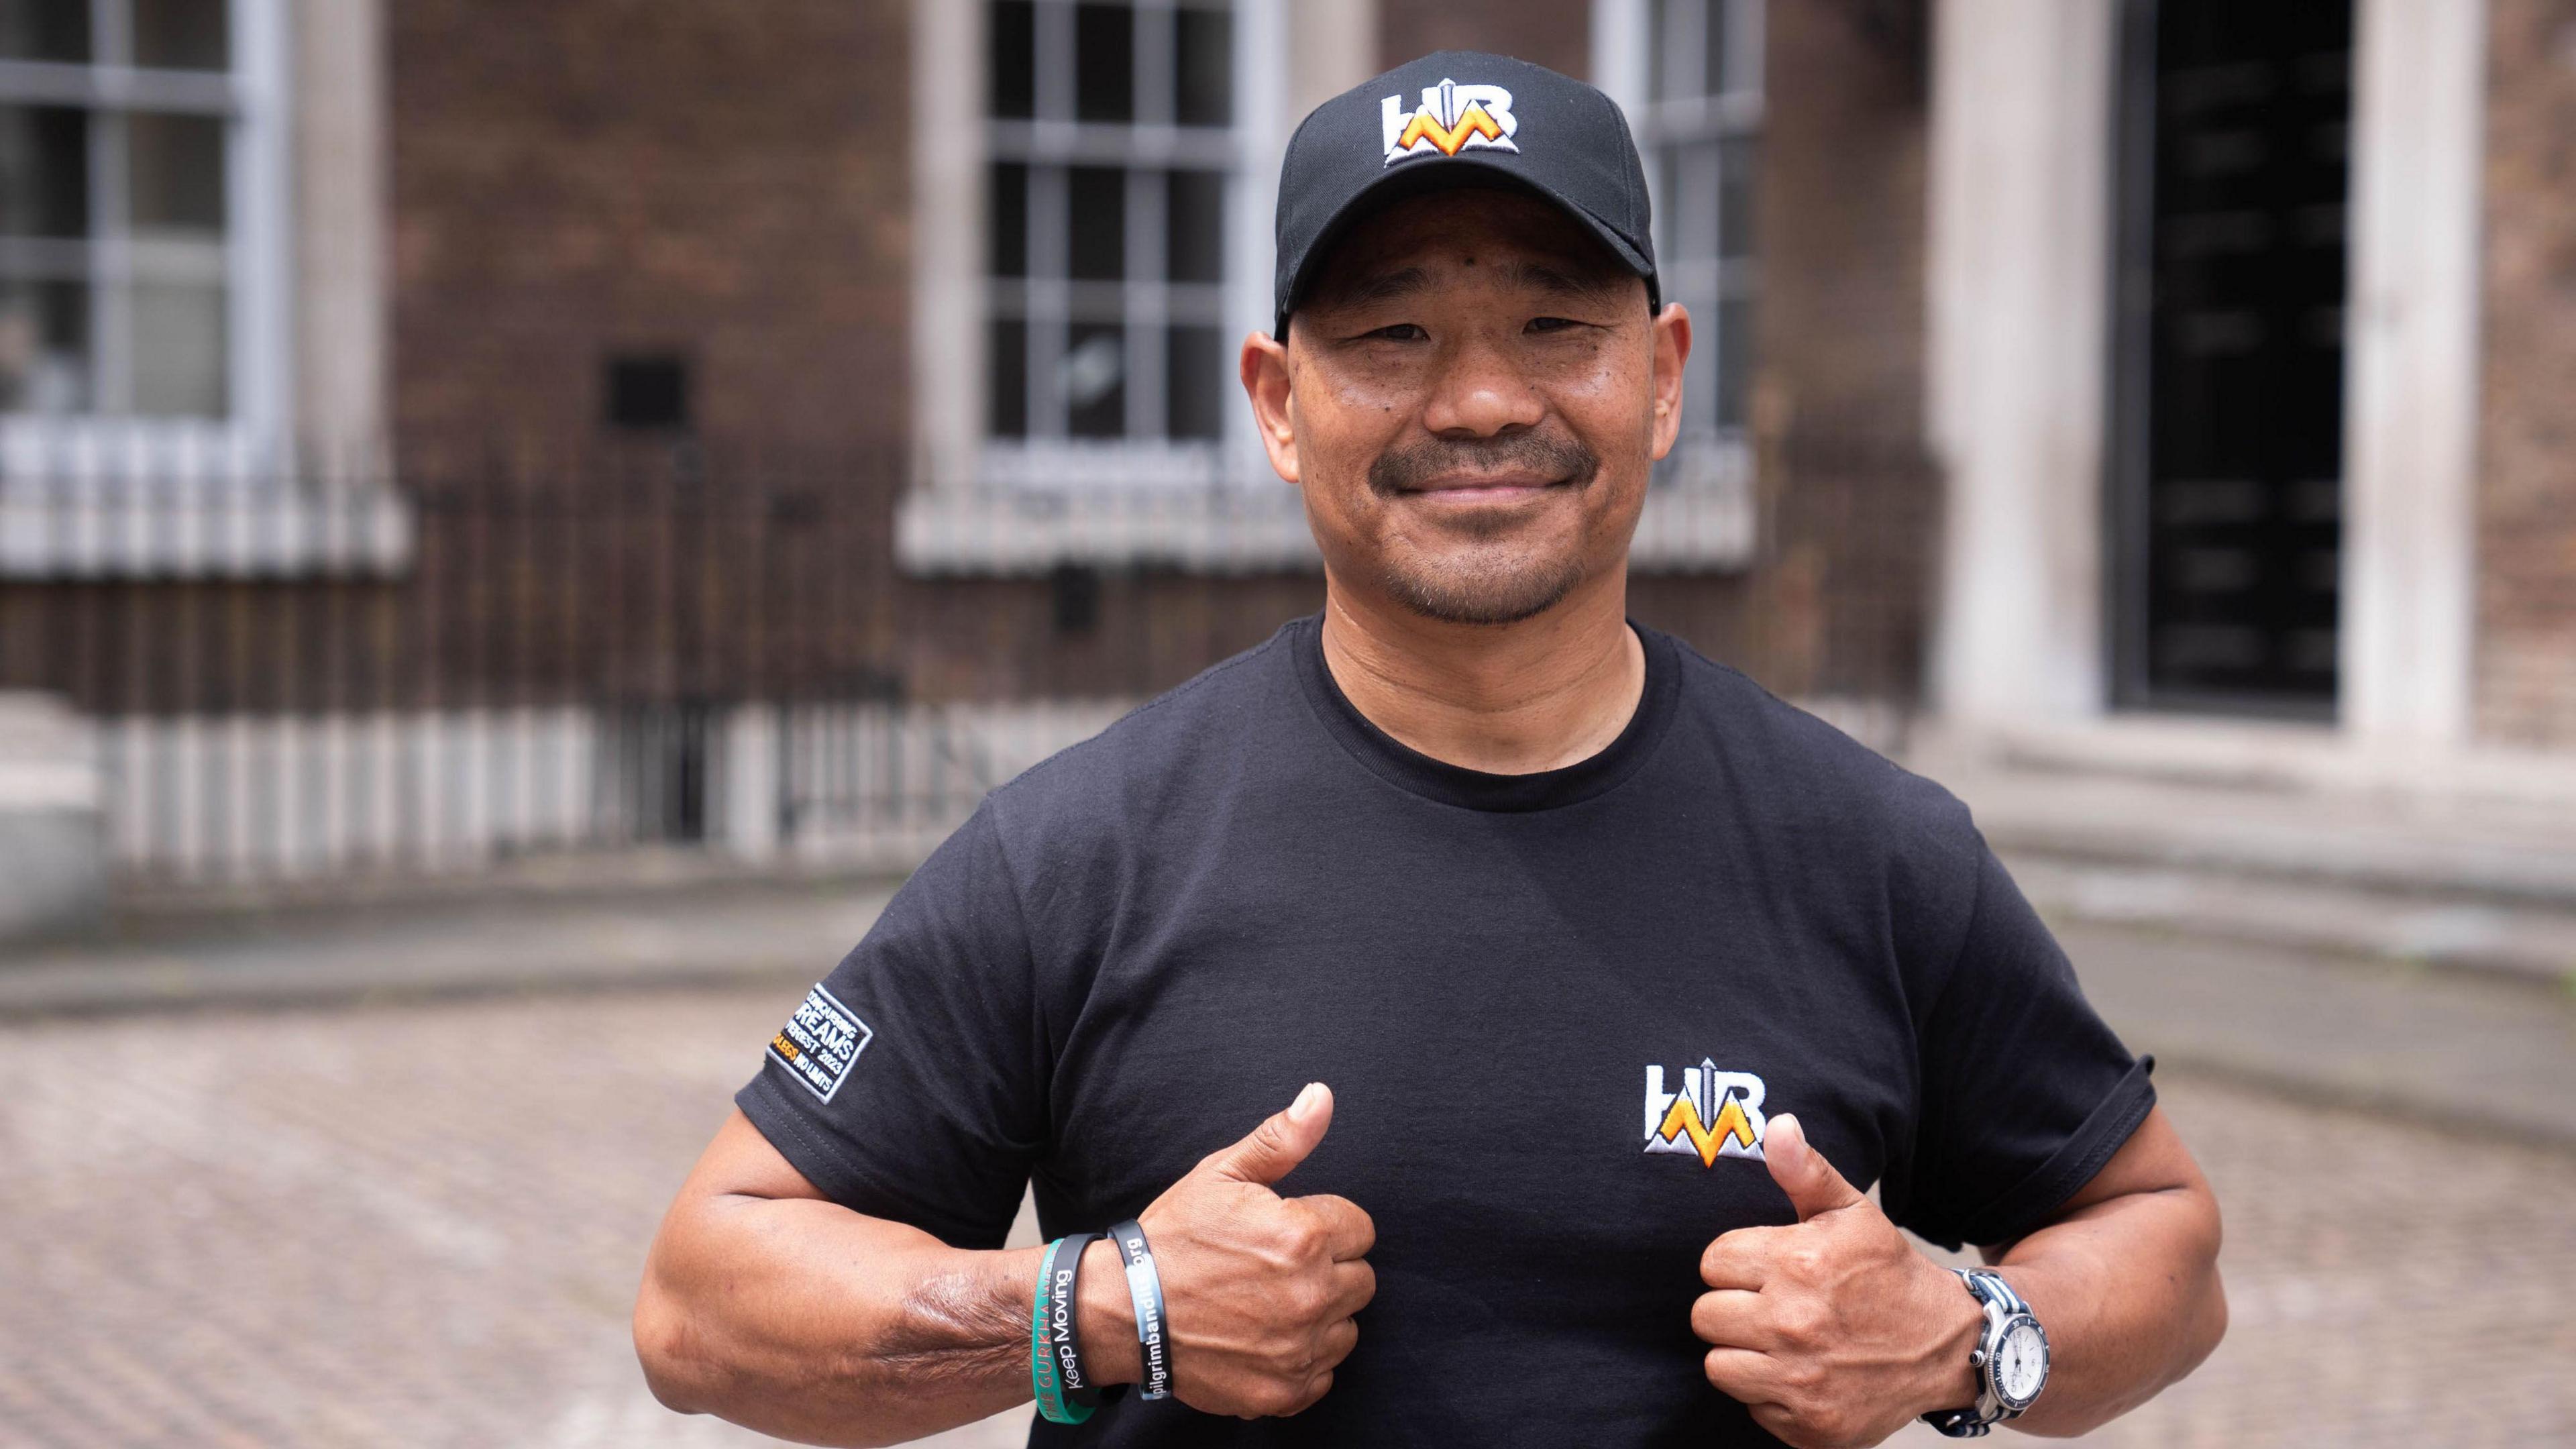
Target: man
(1452, 873)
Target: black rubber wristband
(1064, 1335)
(1145, 1291)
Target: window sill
(1022, 520)
(90, 499)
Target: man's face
(1471, 399)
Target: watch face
(2021, 1364)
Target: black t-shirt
(1552, 1008)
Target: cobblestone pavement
(422, 1225)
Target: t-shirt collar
(1413, 771)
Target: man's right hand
(1259, 1289)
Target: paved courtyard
(421, 1225)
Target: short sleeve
(908, 1084)
(2026, 1093)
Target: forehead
(1483, 226)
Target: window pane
(1096, 199)
(44, 30)
(1203, 90)
(1689, 199)
(1008, 217)
(44, 171)
(1734, 360)
(1195, 222)
(1713, 77)
(1094, 373)
(44, 347)
(1743, 26)
(1014, 74)
(1660, 57)
(182, 34)
(1735, 198)
(177, 170)
(179, 351)
(1104, 56)
(1008, 414)
(1195, 388)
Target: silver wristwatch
(2011, 1360)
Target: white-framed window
(1113, 171)
(141, 214)
(1689, 73)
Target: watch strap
(2000, 1305)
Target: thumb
(1281, 1141)
(1802, 1172)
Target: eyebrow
(1384, 286)
(1557, 281)
(1554, 281)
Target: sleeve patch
(820, 1042)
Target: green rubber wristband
(1042, 1369)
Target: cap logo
(1450, 119)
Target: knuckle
(1279, 1399)
(1304, 1238)
(1304, 1299)
(1368, 1284)
(1808, 1260)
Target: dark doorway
(2226, 499)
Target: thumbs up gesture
(1260, 1289)
(1834, 1331)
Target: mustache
(1554, 455)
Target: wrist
(1958, 1324)
(1106, 1317)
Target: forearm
(2128, 1290)
(810, 1322)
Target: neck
(1508, 699)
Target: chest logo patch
(820, 1042)
(1712, 1114)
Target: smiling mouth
(1500, 489)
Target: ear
(1266, 382)
(1671, 344)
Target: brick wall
(1836, 601)
(723, 182)
(2526, 649)
(1553, 33)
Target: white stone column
(2411, 371)
(342, 226)
(2020, 302)
(948, 243)
(749, 782)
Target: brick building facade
(2526, 534)
(749, 226)
(602, 354)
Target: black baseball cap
(1460, 118)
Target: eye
(1399, 332)
(1551, 324)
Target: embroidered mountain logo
(1715, 1114)
(818, 1043)
(1451, 118)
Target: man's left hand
(1834, 1331)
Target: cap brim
(1450, 173)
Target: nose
(1481, 392)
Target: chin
(1472, 592)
